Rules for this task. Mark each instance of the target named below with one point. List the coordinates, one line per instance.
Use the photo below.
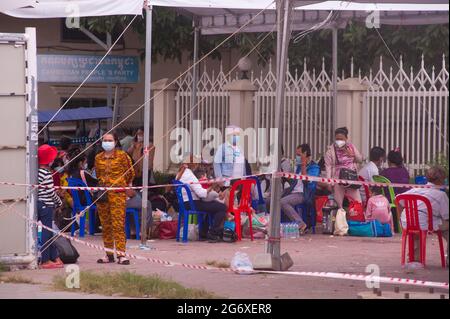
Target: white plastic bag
(241, 263)
(192, 232)
(341, 226)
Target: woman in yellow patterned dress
(113, 168)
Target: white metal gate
(408, 110)
(308, 109)
(213, 102)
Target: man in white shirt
(439, 202)
(377, 157)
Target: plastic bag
(341, 226)
(241, 263)
(193, 234)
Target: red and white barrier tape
(330, 275)
(333, 181)
(324, 180)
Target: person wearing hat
(229, 161)
(48, 200)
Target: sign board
(66, 68)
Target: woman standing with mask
(113, 168)
(342, 155)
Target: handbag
(347, 174)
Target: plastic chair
(132, 212)
(410, 204)
(244, 206)
(256, 203)
(420, 180)
(185, 213)
(78, 207)
(391, 198)
(366, 190)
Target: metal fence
(308, 109)
(408, 110)
(213, 102)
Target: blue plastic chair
(184, 213)
(132, 212)
(420, 180)
(78, 207)
(256, 203)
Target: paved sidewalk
(310, 253)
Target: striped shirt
(47, 194)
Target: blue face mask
(235, 139)
(108, 146)
(298, 159)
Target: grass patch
(3, 268)
(218, 264)
(16, 279)
(127, 284)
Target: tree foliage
(173, 37)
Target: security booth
(75, 121)
(18, 148)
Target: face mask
(85, 166)
(59, 169)
(298, 159)
(108, 146)
(340, 143)
(235, 139)
(140, 138)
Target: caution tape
(329, 275)
(330, 181)
(334, 181)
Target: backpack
(229, 236)
(67, 252)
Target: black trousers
(217, 211)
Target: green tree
(173, 35)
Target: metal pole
(116, 105)
(284, 9)
(148, 82)
(335, 72)
(32, 160)
(194, 109)
(109, 87)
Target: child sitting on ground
(379, 208)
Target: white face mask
(140, 138)
(340, 143)
(108, 146)
(85, 166)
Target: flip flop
(106, 260)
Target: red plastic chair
(244, 206)
(410, 204)
(366, 190)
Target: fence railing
(405, 109)
(410, 111)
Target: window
(83, 102)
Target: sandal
(302, 229)
(122, 260)
(106, 260)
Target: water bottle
(39, 240)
